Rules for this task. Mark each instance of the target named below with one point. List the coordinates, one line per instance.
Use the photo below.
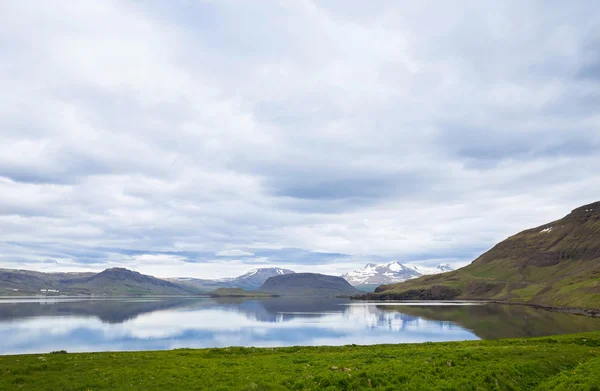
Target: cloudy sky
(205, 138)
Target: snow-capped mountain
(251, 280)
(256, 277)
(442, 268)
(388, 273)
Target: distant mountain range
(250, 281)
(372, 275)
(120, 281)
(555, 264)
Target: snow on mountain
(389, 273)
(251, 280)
(442, 268)
(256, 277)
(381, 274)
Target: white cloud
(195, 129)
(233, 253)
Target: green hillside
(556, 264)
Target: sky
(206, 138)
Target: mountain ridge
(112, 281)
(554, 264)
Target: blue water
(81, 325)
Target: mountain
(250, 281)
(255, 278)
(381, 274)
(118, 281)
(307, 284)
(27, 282)
(115, 281)
(555, 264)
(443, 268)
(372, 275)
(422, 270)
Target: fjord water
(82, 325)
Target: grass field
(569, 362)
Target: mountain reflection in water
(74, 325)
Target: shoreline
(591, 312)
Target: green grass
(528, 291)
(569, 362)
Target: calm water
(76, 325)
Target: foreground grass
(558, 363)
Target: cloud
(234, 253)
(175, 133)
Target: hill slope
(27, 282)
(115, 281)
(307, 284)
(556, 264)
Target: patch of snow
(442, 268)
(546, 230)
(381, 274)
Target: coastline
(591, 312)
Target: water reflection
(504, 321)
(153, 324)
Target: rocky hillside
(250, 281)
(308, 284)
(556, 264)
